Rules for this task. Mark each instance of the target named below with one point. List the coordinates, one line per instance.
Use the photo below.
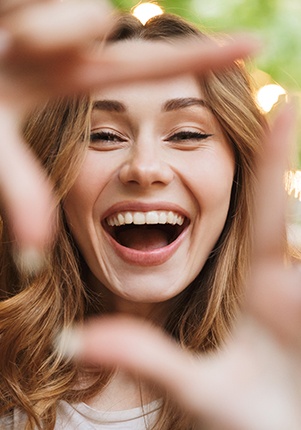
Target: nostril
(146, 174)
(146, 164)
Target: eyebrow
(109, 105)
(170, 105)
(181, 103)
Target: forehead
(156, 91)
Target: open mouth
(145, 231)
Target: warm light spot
(293, 183)
(268, 96)
(145, 11)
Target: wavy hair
(34, 377)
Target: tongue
(143, 239)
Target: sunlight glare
(268, 96)
(145, 11)
(293, 183)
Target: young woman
(253, 381)
(154, 185)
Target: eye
(187, 139)
(188, 135)
(106, 140)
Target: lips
(145, 236)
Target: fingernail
(68, 343)
(29, 261)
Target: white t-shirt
(82, 416)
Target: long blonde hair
(33, 310)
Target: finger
(274, 300)
(274, 295)
(222, 390)
(26, 196)
(116, 65)
(271, 196)
(119, 64)
(44, 27)
(139, 348)
(10, 5)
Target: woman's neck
(124, 391)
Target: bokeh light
(145, 11)
(268, 96)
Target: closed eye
(187, 140)
(188, 135)
(106, 140)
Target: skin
(145, 164)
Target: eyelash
(105, 136)
(109, 140)
(188, 135)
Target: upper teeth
(140, 218)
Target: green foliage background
(276, 22)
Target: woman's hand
(47, 49)
(254, 382)
(44, 46)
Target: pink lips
(152, 257)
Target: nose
(145, 167)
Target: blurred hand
(43, 44)
(254, 382)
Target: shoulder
(70, 417)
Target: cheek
(78, 209)
(78, 205)
(78, 201)
(217, 186)
(89, 183)
(210, 180)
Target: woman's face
(152, 196)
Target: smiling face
(152, 196)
